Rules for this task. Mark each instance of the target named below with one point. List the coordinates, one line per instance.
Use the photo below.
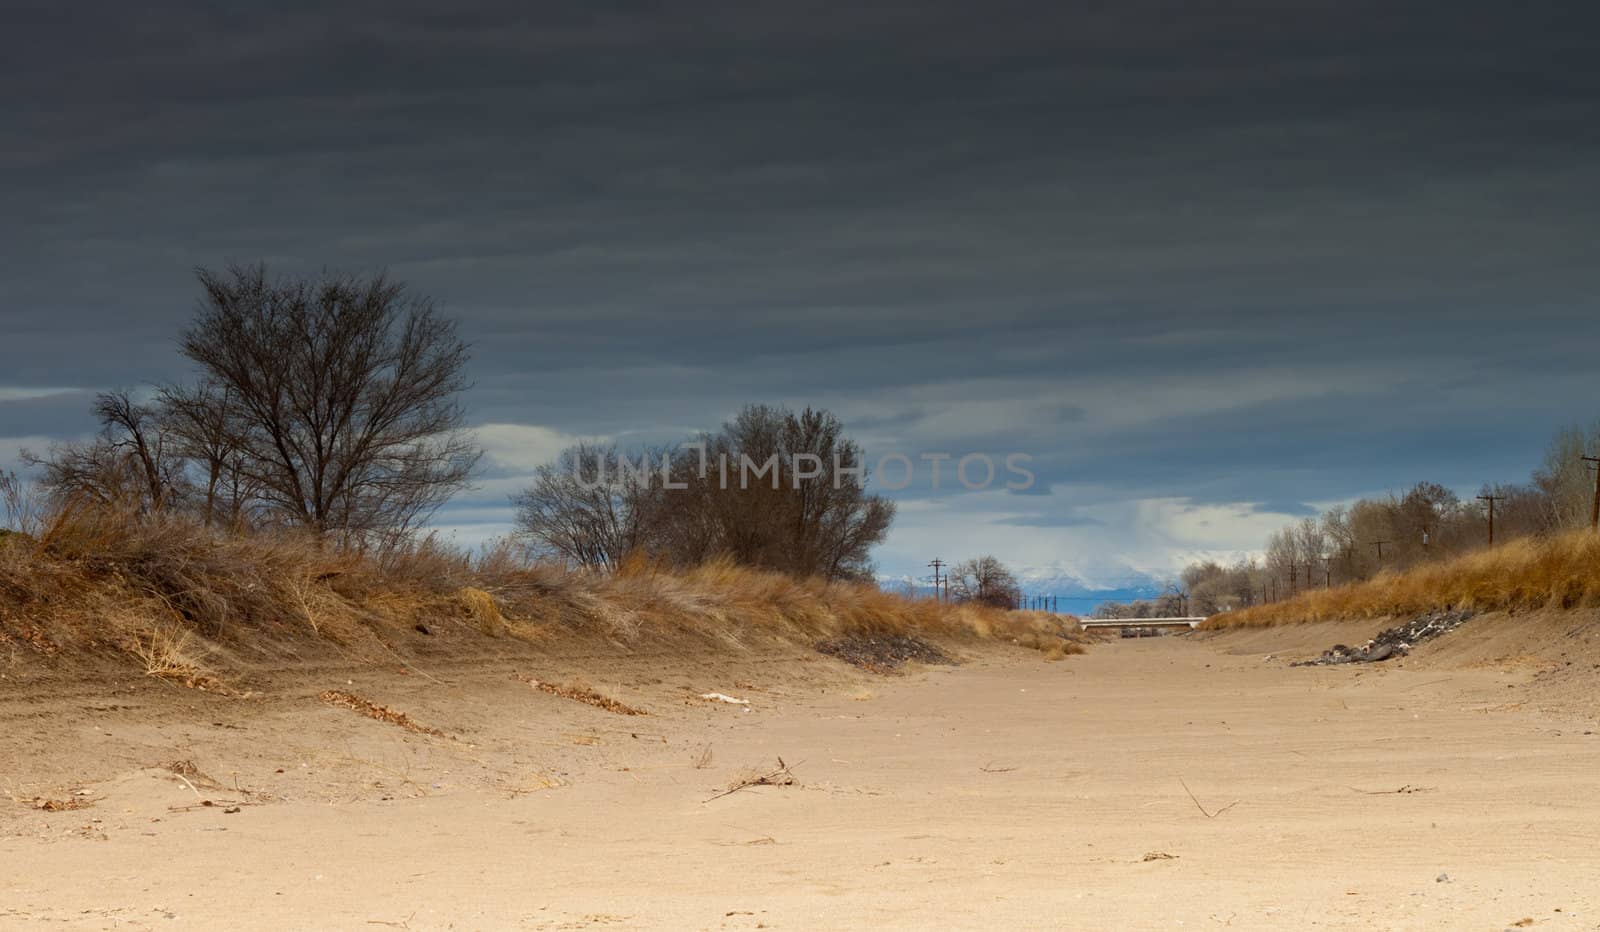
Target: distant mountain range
(1073, 593)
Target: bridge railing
(1191, 622)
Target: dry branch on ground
(782, 776)
(580, 693)
(381, 713)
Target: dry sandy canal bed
(1153, 784)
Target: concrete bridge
(1141, 622)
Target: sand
(1007, 792)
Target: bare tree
(345, 392)
(586, 508)
(204, 422)
(772, 488)
(1565, 480)
(985, 581)
(132, 463)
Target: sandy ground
(1006, 793)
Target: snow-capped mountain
(1073, 593)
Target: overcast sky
(1212, 265)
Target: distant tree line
(1395, 532)
(1170, 604)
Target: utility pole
(1327, 572)
(1491, 499)
(1594, 515)
(1379, 544)
(937, 565)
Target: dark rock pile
(883, 653)
(1394, 642)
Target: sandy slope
(1008, 793)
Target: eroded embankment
(1557, 650)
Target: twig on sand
(1209, 815)
(1402, 791)
(188, 784)
(990, 768)
(783, 776)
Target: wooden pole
(1491, 499)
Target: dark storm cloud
(1086, 233)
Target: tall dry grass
(93, 577)
(1528, 573)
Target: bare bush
(586, 508)
(985, 581)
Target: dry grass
(482, 610)
(165, 654)
(167, 590)
(1560, 572)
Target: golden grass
(1561, 572)
(165, 654)
(482, 610)
(103, 577)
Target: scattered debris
(719, 697)
(1158, 856)
(990, 768)
(186, 771)
(1442, 878)
(580, 693)
(60, 805)
(380, 712)
(1393, 642)
(883, 653)
(780, 777)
